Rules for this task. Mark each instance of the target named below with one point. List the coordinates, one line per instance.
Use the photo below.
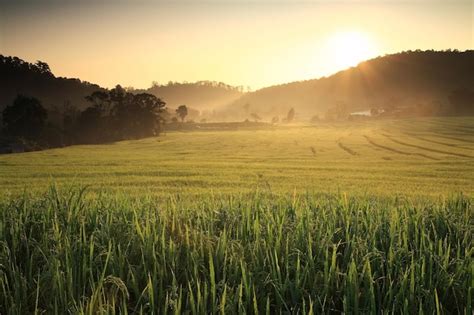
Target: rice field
(431, 156)
(367, 217)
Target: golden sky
(251, 43)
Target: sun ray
(349, 48)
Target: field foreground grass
(62, 252)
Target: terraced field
(431, 157)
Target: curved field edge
(66, 252)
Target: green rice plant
(70, 251)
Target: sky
(250, 43)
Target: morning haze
(236, 157)
(255, 43)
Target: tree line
(36, 79)
(113, 115)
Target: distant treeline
(203, 96)
(112, 115)
(208, 83)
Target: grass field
(431, 156)
(369, 217)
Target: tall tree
(291, 115)
(26, 118)
(90, 127)
(43, 67)
(118, 114)
(182, 112)
(148, 114)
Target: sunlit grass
(285, 220)
(382, 158)
(309, 254)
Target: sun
(347, 49)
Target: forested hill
(36, 80)
(405, 79)
(201, 95)
(398, 80)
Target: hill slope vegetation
(37, 80)
(201, 95)
(407, 79)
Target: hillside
(36, 80)
(406, 79)
(201, 96)
(411, 79)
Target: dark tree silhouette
(99, 99)
(43, 67)
(117, 115)
(89, 126)
(182, 112)
(70, 115)
(290, 116)
(122, 116)
(26, 118)
(147, 114)
(98, 115)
